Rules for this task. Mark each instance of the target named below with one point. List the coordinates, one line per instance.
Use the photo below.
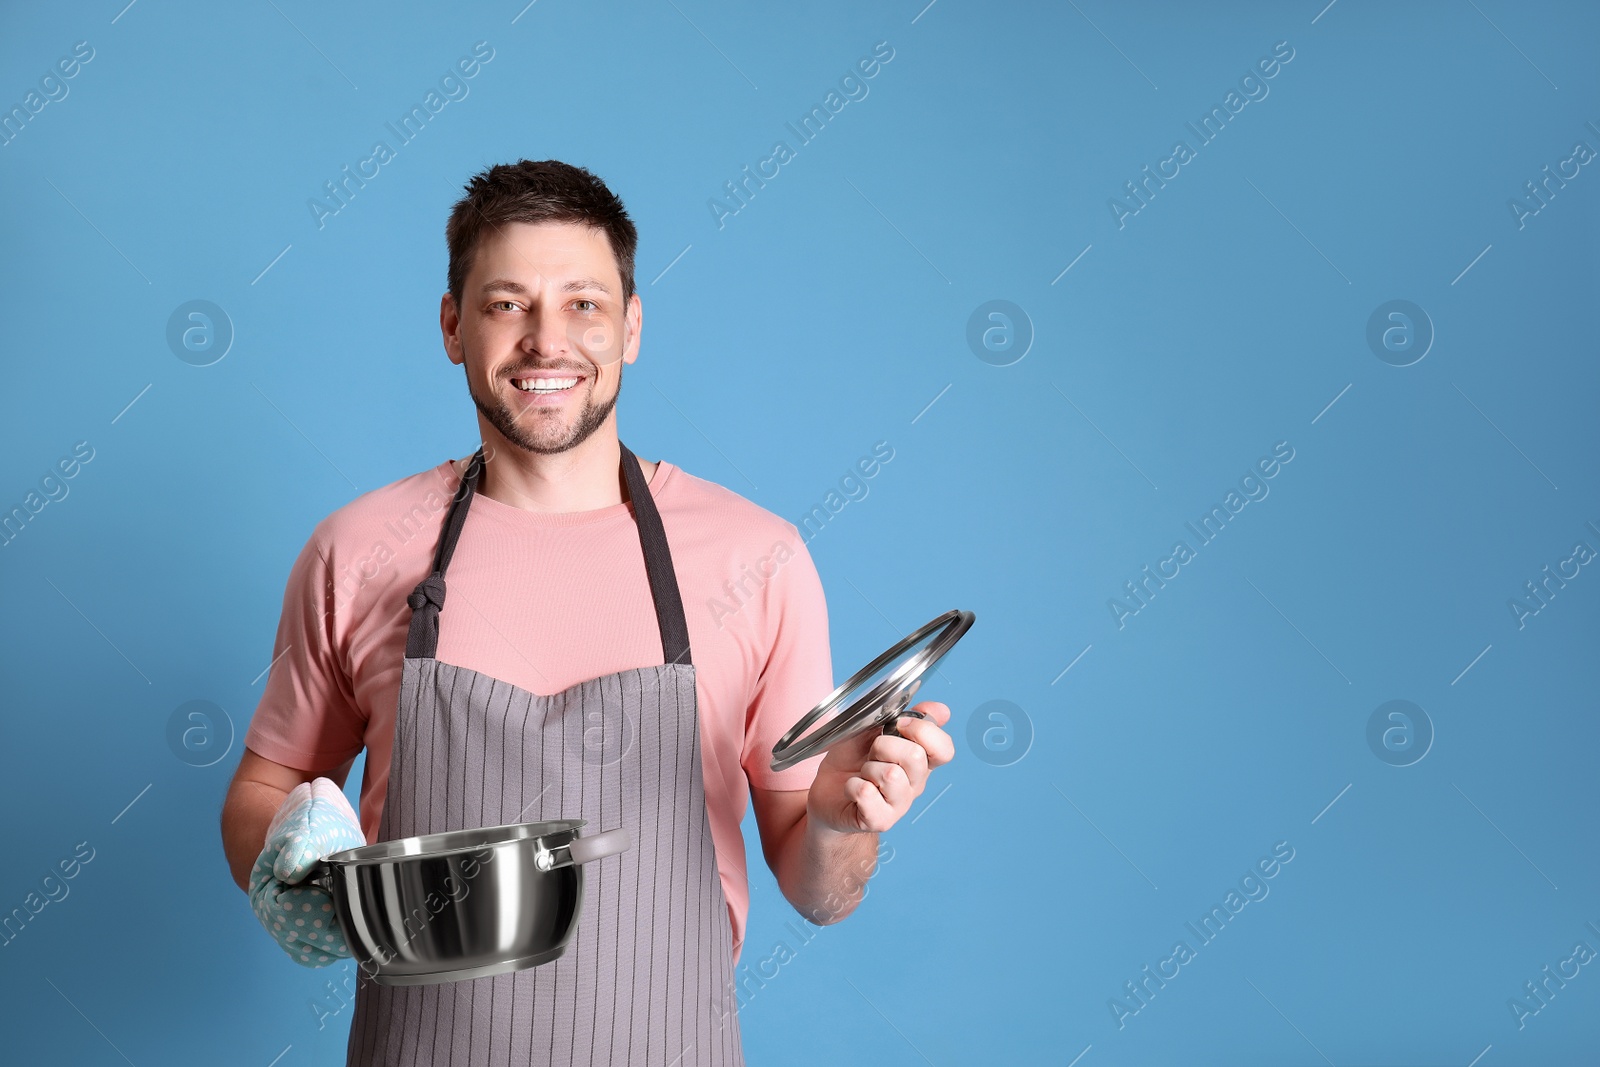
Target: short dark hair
(544, 191)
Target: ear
(633, 321)
(450, 329)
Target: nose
(548, 331)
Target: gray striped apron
(648, 975)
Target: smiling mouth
(545, 385)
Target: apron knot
(426, 601)
(428, 591)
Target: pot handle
(898, 706)
(320, 875)
(584, 849)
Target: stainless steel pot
(464, 904)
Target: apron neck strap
(657, 563)
(427, 600)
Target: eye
(509, 305)
(591, 303)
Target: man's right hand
(314, 820)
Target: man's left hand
(867, 783)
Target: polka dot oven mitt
(315, 820)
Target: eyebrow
(577, 285)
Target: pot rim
(382, 851)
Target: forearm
(824, 872)
(248, 809)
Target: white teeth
(544, 385)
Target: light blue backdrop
(1144, 761)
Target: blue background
(1075, 834)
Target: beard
(539, 431)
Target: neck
(584, 478)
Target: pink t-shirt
(544, 601)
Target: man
(568, 663)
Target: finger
(904, 752)
(873, 812)
(892, 782)
(937, 746)
(852, 751)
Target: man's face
(543, 333)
